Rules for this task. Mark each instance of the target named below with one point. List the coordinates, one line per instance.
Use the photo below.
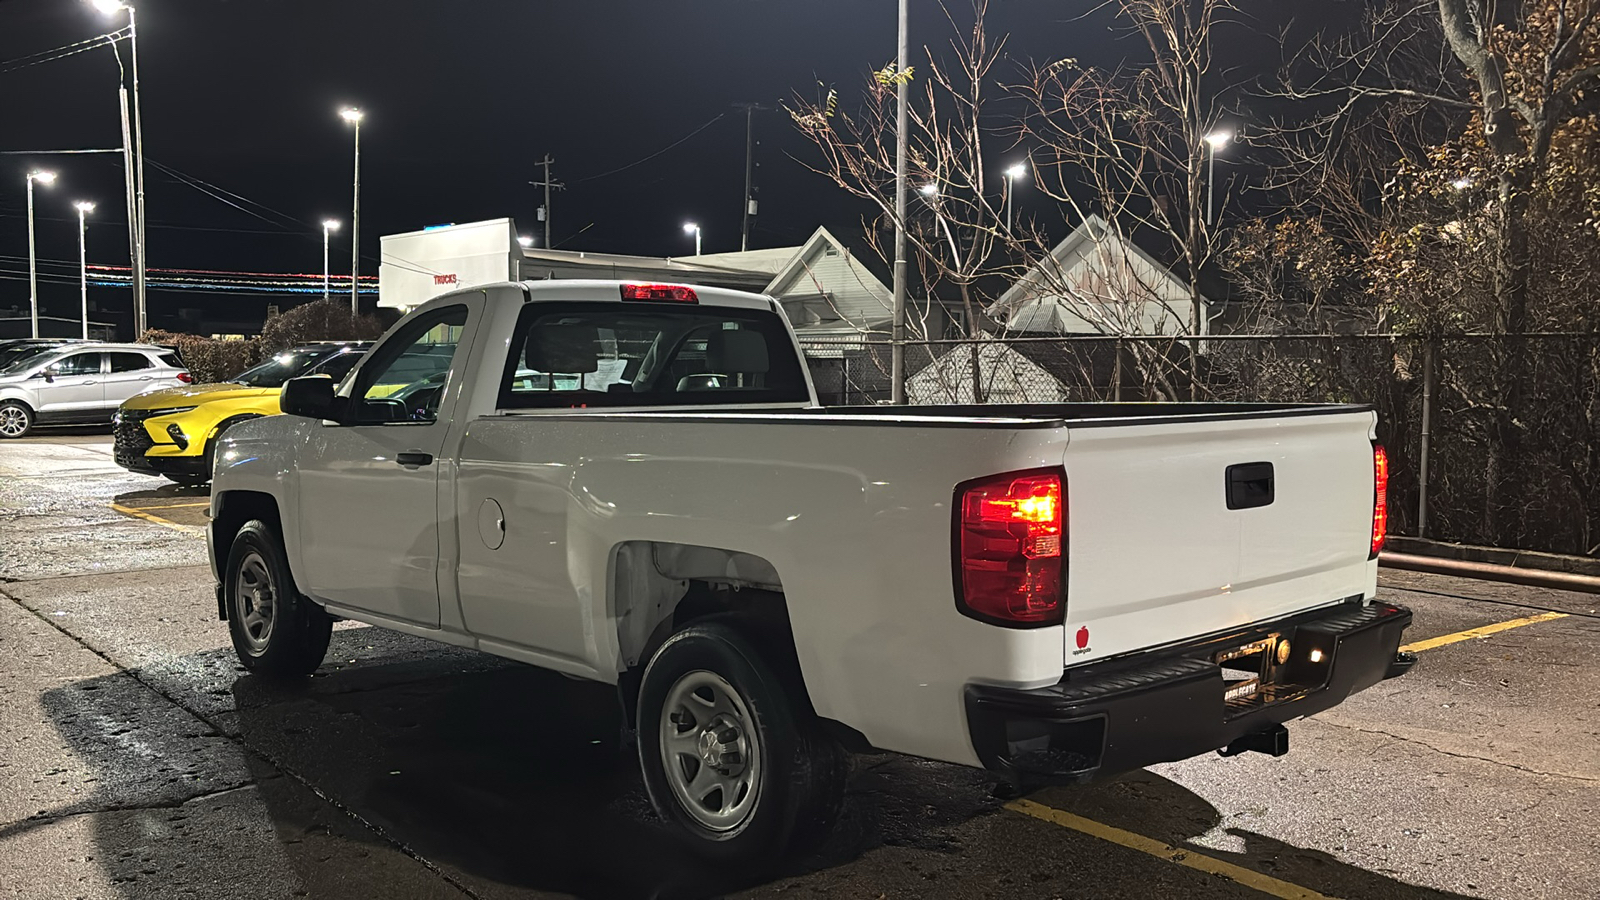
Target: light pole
(45, 178)
(84, 207)
(353, 116)
(1012, 174)
(692, 228)
(140, 311)
(897, 326)
(329, 226)
(1216, 140)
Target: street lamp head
(330, 224)
(1016, 171)
(42, 177)
(1219, 139)
(690, 228)
(525, 241)
(1461, 183)
(928, 190)
(83, 206)
(109, 7)
(351, 114)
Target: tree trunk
(1502, 517)
(972, 333)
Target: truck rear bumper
(1171, 704)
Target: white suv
(81, 383)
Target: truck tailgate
(1155, 554)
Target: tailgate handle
(1250, 485)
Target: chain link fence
(1504, 432)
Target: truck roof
(599, 291)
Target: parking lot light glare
(108, 7)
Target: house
(1094, 286)
(1097, 281)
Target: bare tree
(1133, 139)
(955, 226)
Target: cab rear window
(644, 354)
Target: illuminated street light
(133, 157)
(1012, 174)
(525, 241)
(329, 226)
(1462, 183)
(44, 178)
(84, 207)
(692, 228)
(928, 190)
(1216, 140)
(354, 116)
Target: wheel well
(659, 588)
(229, 422)
(20, 402)
(234, 508)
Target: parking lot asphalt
(137, 760)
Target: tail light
(1010, 537)
(676, 292)
(186, 378)
(1380, 498)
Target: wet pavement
(137, 760)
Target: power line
(42, 57)
(714, 120)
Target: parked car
(15, 349)
(634, 484)
(80, 382)
(173, 432)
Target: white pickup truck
(634, 484)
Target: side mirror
(47, 375)
(312, 397)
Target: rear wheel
(731, 754)
(275, 630)
(16, 419)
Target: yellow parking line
(167, 523)
(177, 505)
(1250, 878)
(1484, 631)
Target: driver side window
(79, 364)
(405, 378)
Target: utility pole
(749, 211)
(897, 348)
(547, 184)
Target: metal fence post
(1116, 373)
(1428, 353)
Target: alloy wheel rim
(256, 601)
(13, 421)
(710, 751)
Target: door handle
(412, 459)
(146, 377)
(89, 382)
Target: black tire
(798, 786)
(295, 637)
(16, 419)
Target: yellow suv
(171, 432)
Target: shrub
(211, 360)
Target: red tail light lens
(675, 292)
(186, 378)
(1380, 498)
(1010, 534)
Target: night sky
(462, 100)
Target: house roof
(797, 269)
(1035, 284)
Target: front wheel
(732, 756)
(16, 419)
(275, 630)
